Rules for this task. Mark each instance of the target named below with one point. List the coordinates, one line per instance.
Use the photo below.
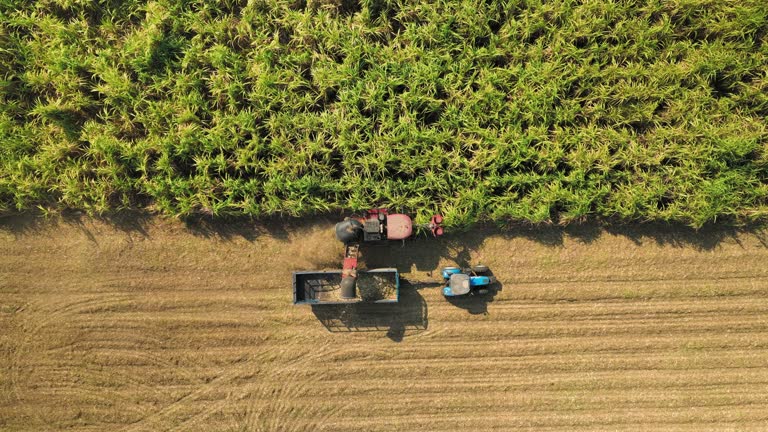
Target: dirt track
(153, 325)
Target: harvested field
(152, 325)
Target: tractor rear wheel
(480, 269)
(449, 271)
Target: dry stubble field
(153, 325)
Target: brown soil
(147, 325)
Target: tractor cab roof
(459, 284)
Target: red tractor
(375, 226)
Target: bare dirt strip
(148, 325)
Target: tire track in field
(86, 317)
(272, 416)
(281, 412)
(273, 382)
(37, 316)
(608, 335)
(473, 341)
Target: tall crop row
(518, 110)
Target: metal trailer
(324, 287)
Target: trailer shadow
(397, 320)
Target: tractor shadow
(397, 320)
(474, 304)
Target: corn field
(483, 110)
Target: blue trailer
(325, 287)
